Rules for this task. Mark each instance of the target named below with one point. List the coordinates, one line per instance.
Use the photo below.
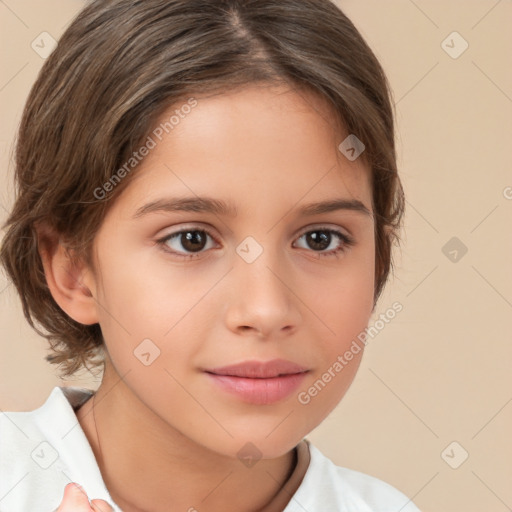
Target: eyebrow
(219, 207)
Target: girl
(207, 198)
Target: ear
(71, 281)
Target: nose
(262, 299)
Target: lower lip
(259, 391)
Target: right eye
(186, 243)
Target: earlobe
(70, 281)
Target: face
(185, 287)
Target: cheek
(143, 294)
(151, 308)
(344, 308)
(346, 301)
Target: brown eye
(326, 242)
(193, 240)
(187, 242)
(318, 240)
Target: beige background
(440, 371)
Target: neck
(147, 465)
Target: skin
(168, 439)
(75, 500)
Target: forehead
(254, 141)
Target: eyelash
(346, 240)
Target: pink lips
(259, 383)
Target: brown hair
(119, 66)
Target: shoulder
(332, 487)
(34, 456)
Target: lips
(259, 370)
(259, 383)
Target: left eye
(325, 240)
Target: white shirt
(41, 451)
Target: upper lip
(259, 369)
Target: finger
(74, 500)
(101, 506)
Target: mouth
(258, 383)
(260, 370)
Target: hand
(75, 500)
